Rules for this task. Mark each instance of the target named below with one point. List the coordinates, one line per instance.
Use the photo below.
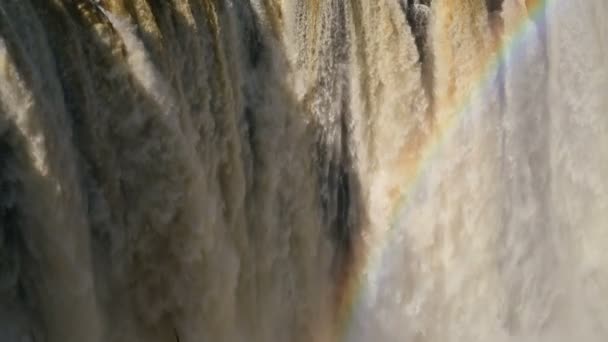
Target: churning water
(303, 170)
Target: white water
(217, 171)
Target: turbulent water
(303, 170)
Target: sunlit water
(291, 170)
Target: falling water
(303, 170)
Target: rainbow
(351, 287)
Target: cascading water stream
(303, 170)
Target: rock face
(303, 170)
(418, 16)
(494, 8)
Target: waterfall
(303, 170)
